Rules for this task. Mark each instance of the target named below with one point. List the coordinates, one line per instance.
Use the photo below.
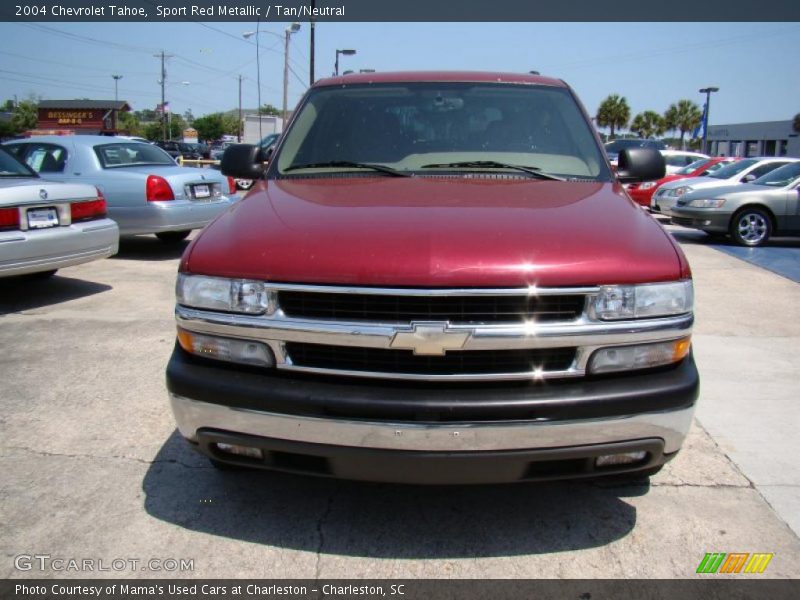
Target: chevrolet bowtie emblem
(432, 339)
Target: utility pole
(311, 49)
(239, 136)
(293, 28)
(163, 57)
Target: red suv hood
(436, 231)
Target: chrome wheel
(244, 184)
(751, 228)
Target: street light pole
(293, 28)
(239, 136)
(707, 91)
(116, 81)
(348, 52)
(163, 82)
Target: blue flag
(700, 129)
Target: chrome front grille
(453, 309)
(470, 334)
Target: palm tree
(648, 124)
(684, 116)
(614, 113)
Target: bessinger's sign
(84, 118)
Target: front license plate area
(41, 218)
(201, 192)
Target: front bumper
(33, 251)
(701, 218)
(431, 433)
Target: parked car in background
(171, 148)
(217, 150)
(614, 147)
(45, 226)
(740, 171)
(678, 159)
(642, 193)
(145, 190)
(751, 212)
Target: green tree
(153, 131)
(648, 124)
(684, 116)
(210, 127)
(25, 116)
(189, 116)
(268, 109)
(130, 123)
(613, 113)
(230, 123)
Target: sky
(755, 65)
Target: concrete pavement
(93, 467)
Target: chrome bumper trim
(671, 426)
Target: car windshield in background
(618, 146)
(11, 167)
(781, 176)
(429, 127)
(268, 140)
(688, 169)
(131, 155)
(733, 169)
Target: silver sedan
(45, 225)
(145, 190)
(751, 212)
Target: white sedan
(46, 225)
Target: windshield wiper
(348, 163)
(492, 164)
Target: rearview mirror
(640, 164)
(244, 161)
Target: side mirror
(243, 161)
(640, 164)
(749, 177)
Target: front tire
(173, 237)
(751, 227)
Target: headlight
(647, 185)
(229, 295)
(643, 301)
(643, 356)
(706, 202)
(678, 192)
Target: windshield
(11, 167)
(424, 127)
(618, 146)
(780, 177)
(690, 168)
(131, 154)
(734, 168)
(268, 140)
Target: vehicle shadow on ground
(148, 248)
(27, 292)
(691, 236)
(381, 520)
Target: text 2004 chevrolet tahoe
(437, 279)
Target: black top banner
(399, 10)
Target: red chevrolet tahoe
(436, 279)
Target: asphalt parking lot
(94, 468)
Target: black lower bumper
(427, 468)
(566, 400)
